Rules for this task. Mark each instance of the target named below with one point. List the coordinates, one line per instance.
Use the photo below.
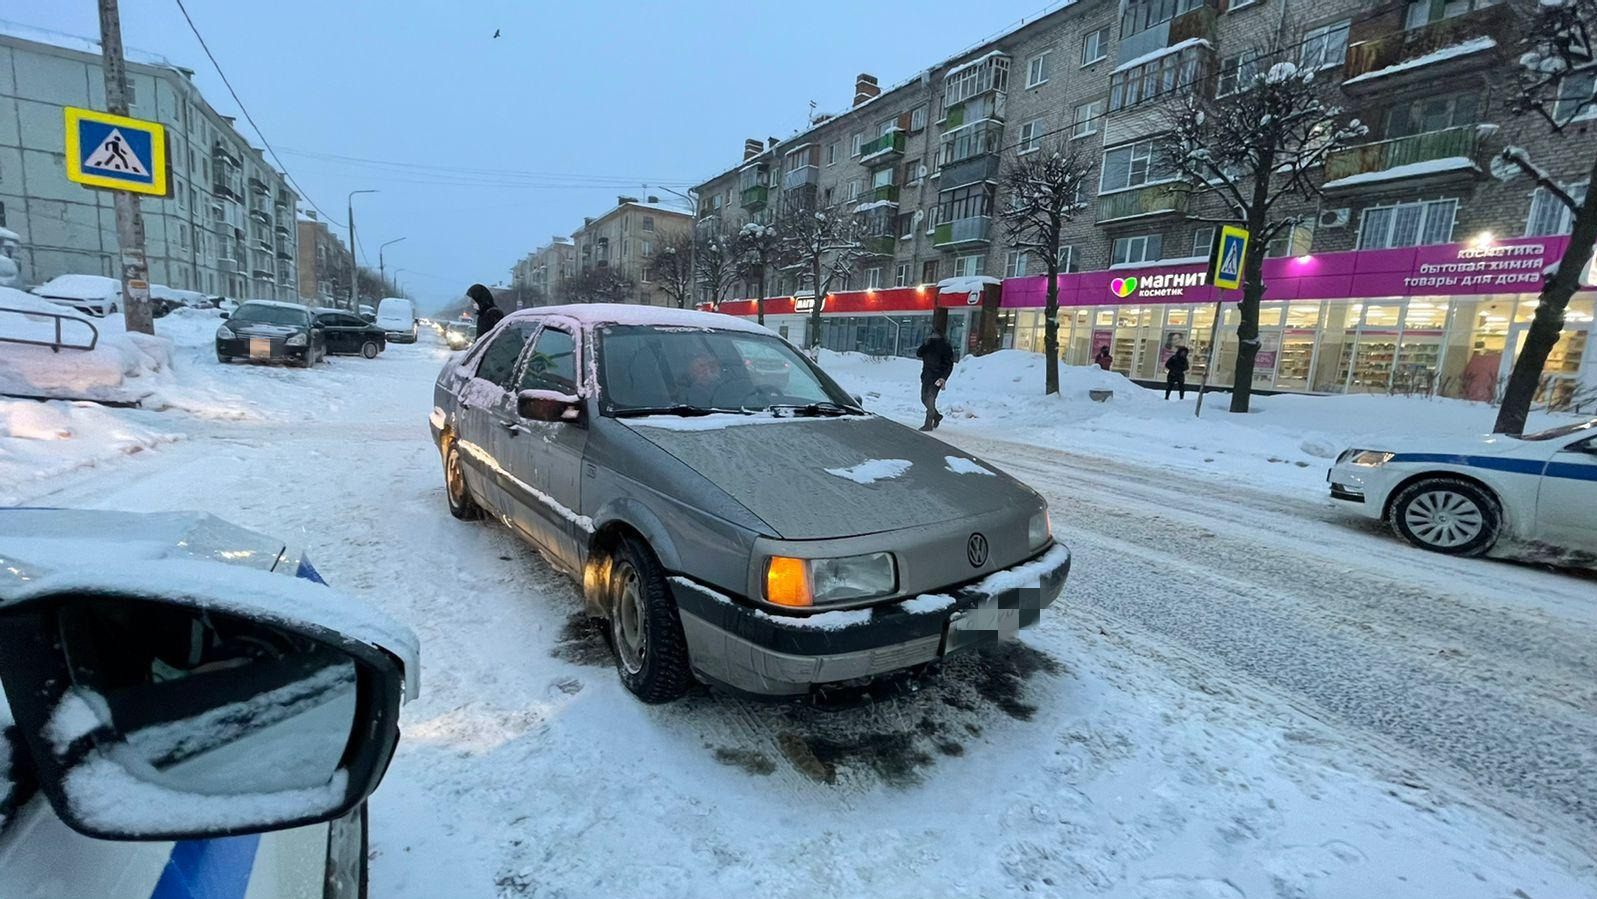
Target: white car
(93, 294)
(1460, 497)
(195, 712)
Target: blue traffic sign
(117, 152)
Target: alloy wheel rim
(626, 621)
(1444, 518)
(457, 486)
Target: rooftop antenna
(812, 112)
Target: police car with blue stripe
(189, 712)
(1461, 498)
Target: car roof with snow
(279, 303)
(587, 315)
(85, 287)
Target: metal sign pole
(129, 228)
(1208, 365)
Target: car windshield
(1561, 431)
(270, 315)
(645, 369)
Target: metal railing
(57, 343)
(1383, 52)
(1155, 199)
(756, 195)
(1388, 154)
(891, 142)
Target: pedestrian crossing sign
(1225, 262)
(115, 152)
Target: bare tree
(1255, 148)
(757, 247)
(1040, 193)
(671, 267)
(1555, 67)
(599, 284)
(714, 260)
(822, 242)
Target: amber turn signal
(787, 582)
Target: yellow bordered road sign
(115, 152)
(1230, 251)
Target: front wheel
(1447, 515)
(461, 505)
(369, 349)
(645, 630)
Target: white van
(397, 317)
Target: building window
(1325, 46)
(928, 272)
(1134, 165)
(648, 249)
(1433, 114)
(873, 278)
(648, 223)
(1086, 120)
(1294, 240)
(831, 152)
(1037, 69)
(967, 266)
(1140, 15)
(1031, 136)
(1575, 98)
(970, 201)
(1202, 241)
(917, 118)
(855, 187)
(1138, 248)
(859, 142)
(1548, 214)
(1094, 46)
(1015, 264)
(1159, 76)
(1407, 224)
(1237, 73)
(992, 73)
(1423, 12)
(901, 274)
(1068, 261)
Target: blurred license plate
(984, 623)
(261, 347)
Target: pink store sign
(1458, 269)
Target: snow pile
(872, 470)
(1411, 170)
(80, 287)
(965, 284)
(43, 440)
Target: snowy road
(1239, 696)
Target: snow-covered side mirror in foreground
(186, 700)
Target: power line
(249, 118)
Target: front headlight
(297, 340)
(1039, 530)
(1370, 458)
(224, 333)
(808, 582)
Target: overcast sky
(490, 146)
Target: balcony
(1449, 151)
(1432, 51)
(755, 197)
(881, 245)
(1196, 23)
(886, 193)
(281, 229)
(224, 189)
(220, 151)
(888, 146)
(260, 215)
(284, 254)
(973, 230)
(801, 176)
(1155, 199)
(227, 264)
(982, 167)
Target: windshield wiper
(682, 409)
(821, 408)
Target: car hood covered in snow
(37, 542)
(812, 478)
(1482, 445)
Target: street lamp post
(381, 276)
(354, 251)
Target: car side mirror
(548, 405)
(175, 701)
(224, 315)
(859, 401)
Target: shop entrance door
(1570, 375)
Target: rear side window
(498, 361)
(552, 365)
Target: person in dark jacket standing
(936, 364)
(1103, 360)
(488, 314)
(1176, 373)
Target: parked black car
(270, 331)
(347, 334)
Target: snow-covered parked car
(733, 513)
(1461, 497)
(188, 710)
(93, 294)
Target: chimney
(865, 88)
(771, 142)
(752, 148)
(653, 199)
(623, 200)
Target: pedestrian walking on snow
(936, 364)
(488, 314)
(1103, 358)
(1176, 373)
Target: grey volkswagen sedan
(734, 515)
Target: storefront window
(1426, 314)
(1080, 340)
(1177, 315)
(1303, 315)
(1383, 316)
(1270, 315)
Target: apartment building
(1364, 294)
(228, 226)
(625, 237)
(535, 279)
(325, 264)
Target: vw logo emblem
(976, 550)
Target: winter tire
(1447, 515)
(461, 505)
(645, 630)
(369, 349)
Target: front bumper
(1361, 488)
(263, 349)
(754, 652)
(400, 336)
